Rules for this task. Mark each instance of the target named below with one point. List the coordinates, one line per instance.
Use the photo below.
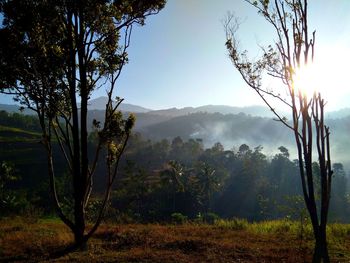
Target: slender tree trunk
(174, 193)
(79, 235)
(320, 234)
(321, 247)
(79, 220)
(83, 184)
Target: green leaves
(130, 122)
(115, 133)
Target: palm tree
(173, 175)
(209, 184)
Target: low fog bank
(233, 130)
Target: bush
(233, 224)
(93, 209)
(11, 201)
(210, 218)
(32, 213)
(178, 218)
(275, 226)
(124, 217)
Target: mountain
(94, 104)
(228, 127)
(142, 119)
(260, 111)
(342, 113)
(255, 110)
(145, 119)
(232, 130)
(100, 104)
(249, 110)
(15, 108)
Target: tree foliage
(293, 49)
(54, 55)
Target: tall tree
(209, 184)
(54, 55)
(339, 204)
(293, 50)
(174, 174)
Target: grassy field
(10, 134)
(26, 240)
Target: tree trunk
(174, 202)
(321, 246)
(79, 222)
(79, 239)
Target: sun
(327, 76)
(307, 80)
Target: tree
(10, 200)
(283, 180)
(174, 174)
(54, 55)
(339, 204)
(294, 49)
(209, 184)
(176, 147)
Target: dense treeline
(17, 120)
(163, 179)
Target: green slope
(10, 134)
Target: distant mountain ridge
(260, 111)
(99, 104)
(231, 126)
(15, 108)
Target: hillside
(11, 134)
(231, 126)
(229, 129)
(142, 167)
(100, 104)
(15, 108)
(232, 130)
(260, 111)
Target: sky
(179, 59)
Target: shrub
(11, 200)
(210, 218)
(178, 218)
(234, 224)
(275, 226)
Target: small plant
(11, 201)
(275, 226)
(210, 218)
(178, 218)
(32, 213)
(233, 224)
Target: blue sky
(179, 59)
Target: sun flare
(326, 76)
(307, 80)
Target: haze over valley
(231, 126)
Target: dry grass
(261, 242)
